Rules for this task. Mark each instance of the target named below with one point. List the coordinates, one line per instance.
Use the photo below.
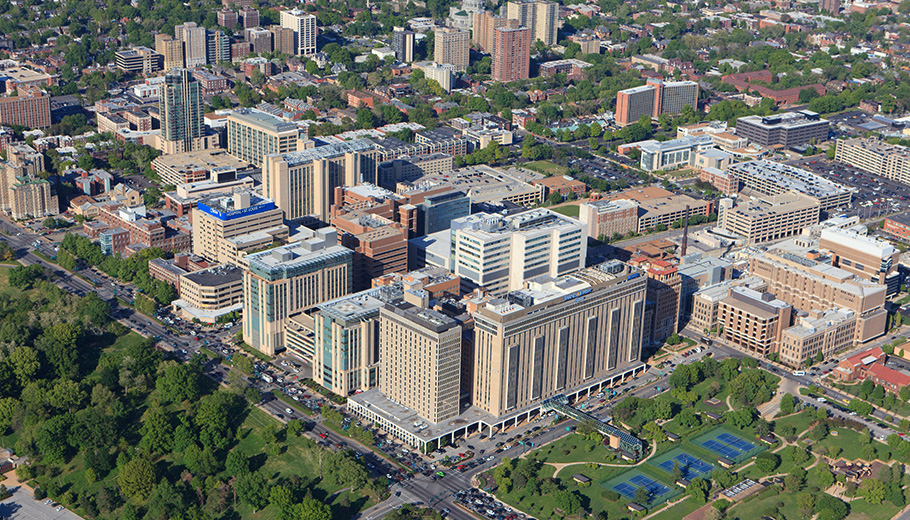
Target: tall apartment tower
(832, 6)
(420, 360)
(632, 103)
(194, 43)
(282, 39)
(249, 18)
(540, 16)
(452, 47)
(484, 25)
(260, 39)
(671, 96)
(289, 280)
(556, 336)
(653, 99)
(181, 108)
(227, 18)
(217, 46)
(403, 44)
(172, 50)
(511, 53)
(304, 26)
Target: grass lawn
(862, 510)
(848, 442)
(580, 449)
(546, 167)
(569, 210)
(678, 511)
(756, 508)
(799, 421)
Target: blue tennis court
(735, 442)
(629, 487)
(691, 467)
(722, 449)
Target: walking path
(560, 465)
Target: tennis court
(727, 445)
(691, 467)
(628, 483)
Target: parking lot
(22, 506)
(873, 195)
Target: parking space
(21, 506)
(873, 195)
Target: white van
(799, 373)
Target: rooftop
(215, 276)
(263, 120)
(782, 177)
(785, 120)
(327, 151)
(525, 221)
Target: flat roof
(199, 159)
(326, 151)
(264, 120)
(783, 177)
(215, 276)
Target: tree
(568, 501)
(806, 503)
(23, 277)
(157, 431)
(823, 476)
(767, 462)
(872, 490)
(724, 478)
(787, 403)
(179, 381)
(698, 489)
(237, 464)
(253, 489)
(642, 495)
(136, 479)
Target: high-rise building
(442, 74)
(654, 98)
(217, 46)
(227, 18)
(282, 39)
(180, 106)
(632, 103)
(403, 44)
(31, 108)
(172, 50)
(420, 360)
(346, 346)
(760, 220)
(752, 320)
(501, 252)
(451, 47)
(194, 44)
(664, 287)
(511, 53)
(260, 40)
(831, 6)
(540, 16)
(484, 24)
(288, 280)
(556, 336)
(139, 60)
(252, 134)
(380, 244)
(863, 255)
(303, 183)
(242, 216)
(304, 26)
(249, 18)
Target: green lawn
(546, 168)
(579, 448)
(799, 421)
(678, 511)
(862, 510)
(756, 508)
(570, 210)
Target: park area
(546, 167)
(721, 443)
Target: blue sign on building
(237, 213)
